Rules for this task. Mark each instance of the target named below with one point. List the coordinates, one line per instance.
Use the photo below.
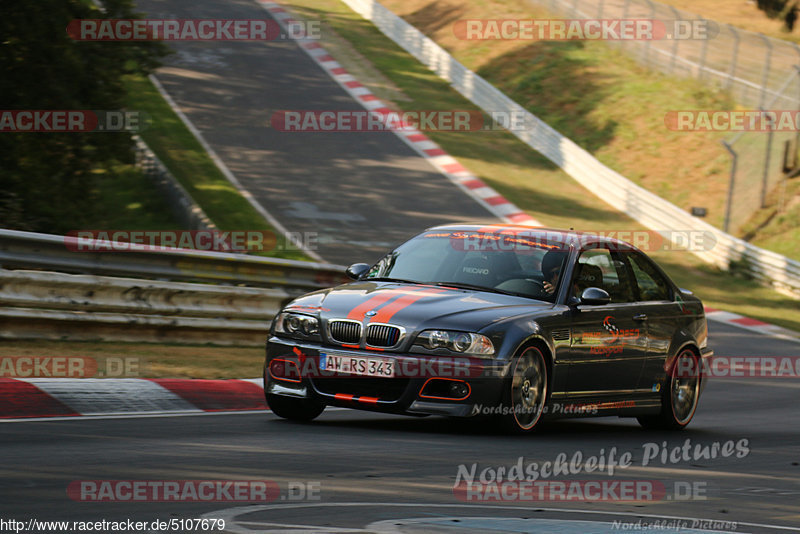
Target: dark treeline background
(46, 179)
(785, 10)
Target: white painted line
(130, 416)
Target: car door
(608, 347)
(659, 314)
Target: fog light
(458, 390)
(287, 370)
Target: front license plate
(357, 365)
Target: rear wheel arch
(673, 355)
(668, 419)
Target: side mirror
(357, 270)
(595, 295)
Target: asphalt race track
(394, 468)
(361, 192)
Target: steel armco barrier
(180, 296)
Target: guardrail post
(674, 39)
(734, 155)
(797, 79)
(703, 53)
(649, 42)
(765, 74)
(734, 56)
(765, 176)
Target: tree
(785, 10)
(46, 179)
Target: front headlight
(459, 342)
(297, 325)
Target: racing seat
(477, 270)
(588, 276)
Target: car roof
(551, 234)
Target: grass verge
(127, 200)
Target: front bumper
(421, 386)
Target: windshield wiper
(390, 279)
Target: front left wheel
(294, 409)
(525, 392)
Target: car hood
(416, 305)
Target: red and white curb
(754, 325)
(65, 397)
(418, 141)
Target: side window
(652, 285)
(604, 269)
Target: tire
(680, 394)
(525, 392)
(294, 409)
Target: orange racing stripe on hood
(382, 297)
(388, 311)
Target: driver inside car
(552, 265)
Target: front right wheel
(680, 394)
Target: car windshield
(513, 263)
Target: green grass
(528, 179)
(186, 159)
(778, 226)
(127, 200)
